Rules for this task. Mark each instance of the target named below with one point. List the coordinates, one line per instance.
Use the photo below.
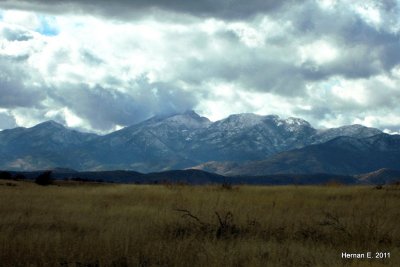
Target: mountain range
(241, 144)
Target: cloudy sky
(99, 65)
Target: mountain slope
(382, 176)
(356, 130)
(343, 155)
(45, 145)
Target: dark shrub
(44, 178)
(226, 186)
(19, 176)
(5, 175)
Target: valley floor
(177, 225)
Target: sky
(102, 65)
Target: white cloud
(225, 99)
(320, 52)
(28, 20)
(388, 131)
(369, 12)
(27, 117)
(381, 121)
(327, 4)
(351, 92)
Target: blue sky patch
(47, 26)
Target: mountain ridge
(342, 155)
(176, 141)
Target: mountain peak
(297, 121)
(191, 113)
(189, 118)
(49, 125)
(188, 114)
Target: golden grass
(140, 225)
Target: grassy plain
(173, 225)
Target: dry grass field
(173, 225)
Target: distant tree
(45, 178)
(5, 175)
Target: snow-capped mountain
(164, 142)
(155, 144)
(244, 137)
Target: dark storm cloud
(362, 62)
(104, 108)
(13, 91)
(225, 9)
(15, 94)
(253, 68)
(363, 45)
